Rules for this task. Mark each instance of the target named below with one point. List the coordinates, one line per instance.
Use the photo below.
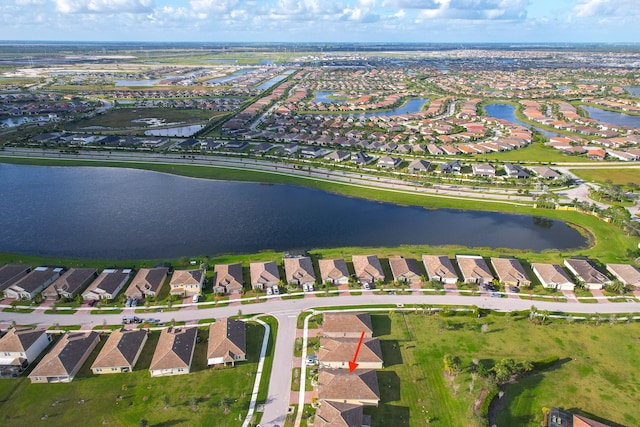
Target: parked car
(495, 295)
(196, 298)
(269, 291)
(276, 290)
(514, 289)
(131, 319)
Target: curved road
(287, 311)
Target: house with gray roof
(107, 285)
(121, 352)
(340, 385)
(405, 270)
(227, 342)
(338, 414)
(19, 348)
(11, 273)
(264, 275)
(174, 352)
(333, 271)
(147, 283)
(299, 271)
(36, 281)
(65, 359)
(587, 273)
(227, 278)
(70, 284)
(440, 268)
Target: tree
(451, 364)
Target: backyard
(594, 376)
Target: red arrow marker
(352, 364)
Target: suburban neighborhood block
(107, 285)
(147, 283)
(359, 387)
(299, 271)
(510, 272)
(367, 268)
(334, 271)
(587, 273)
(553, 276)
(405, 270)
(335, 353)
(346, 325)
(34, 282)
(474, 269)
(187, 282)
(11, 273)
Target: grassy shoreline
(606, 242)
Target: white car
(269, 291)
(276, 290)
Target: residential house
(19, 348)
(587, 273)
(474, 269)
(227, 279)
(107, 285)
(335, 353)
(299, 271)
(36, 281)
(187, 282)
(340, 385)
(545, 172)
(628, 274)
(333, 271)
(484, 169)
(312, 152)
(419, 165)
(147, 283)
(227, 342)
(405, 270)
(439, 268)
(510, 272)
(70, 283)
(346, 325)
(553, 276)
(515, 171)
(11, 273)
(368, 269)
(389, 162)
(361, 158)
(62, 363)
(174, 352)
(338, 414)
(559, 418)
(338, 155)
(121, 352)
(264, 275)
(451, 167)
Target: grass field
(537, 151)
(595, 376)
(616, 176)
(205, 397)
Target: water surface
(132, 214)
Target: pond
(508, 112)
(113, 213)
(232, 76)
(633, 90)
(277, 79)
(612, 117)
(413, 105)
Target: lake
(612, 117)
(413, 105)
(230, 77)
(131, 214)
(508, 112)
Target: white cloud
(104, 6)
(606, 8)
(477, 10)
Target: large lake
(132, 214)
(508, 112)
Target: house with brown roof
(36, 281)
(19, 347)
(227, 342)
(628, 274)
(405, 270)
(107, 285)
(70, 283)
(560, 418)
(474, 269)
(368, 269)
(333, 271)
(510, 272)
(335, 353)
(299, 271)
(440, 268)
(121, 352)
(227, 278)
(338, 414)
(339, 385)
(62, 363)
(11, 273)
(264, 274)
(346, 325)
(587, 273)
(147, 283)
(174, 352)
(553, 276)
(187, 282)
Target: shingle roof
(551, 273)
(338, 414)
(175, 349)
(343, 349)
(627, 273)
(229, 276)
(19, 340)
(71, 282)
(333, 268)
(401, 266)
(10, 273)
(264, 272)
(36, 278)
(299, 269)
(440, 266)
(347, 322)
(121, 349)
(227, 338)
(148, 281)
(109, 280)
(509, 270)
(65, 356)
(186, 277)
(587, 271)
(367, 267)
(341, 384)
(473, 266)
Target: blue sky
(454, 21)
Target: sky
(421, 21)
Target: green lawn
(119, 118)
(205, 397)
(534, 153)
(595, 376)
(616, 176)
